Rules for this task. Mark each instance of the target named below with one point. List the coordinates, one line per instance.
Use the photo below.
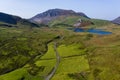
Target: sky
(100, 9)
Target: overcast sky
(101, 9)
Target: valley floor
(82, 56)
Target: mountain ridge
(116, 21)
(12, 21)
(8, 18)
(50, 14)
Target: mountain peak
(54, 12)
(50, 14)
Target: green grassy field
(66, 65)
(71, 50)
(46, 61)
(50, 53)
(71, 65)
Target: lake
(95, 31)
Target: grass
(104, 58)
(65, 51)
(50, 53)
(106, 62)
(71, 65)
(99, 23)
(19, 74)
(48, 64)
(71, 50)
(68, 21)
(11, 76)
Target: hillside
(51, 14)
(66, 21)
(14, 21)
(69, 21)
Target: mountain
(51, 14)
(11, 20)
(116, 21)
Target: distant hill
(11, 20)
(116, 21)
(51, 14)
